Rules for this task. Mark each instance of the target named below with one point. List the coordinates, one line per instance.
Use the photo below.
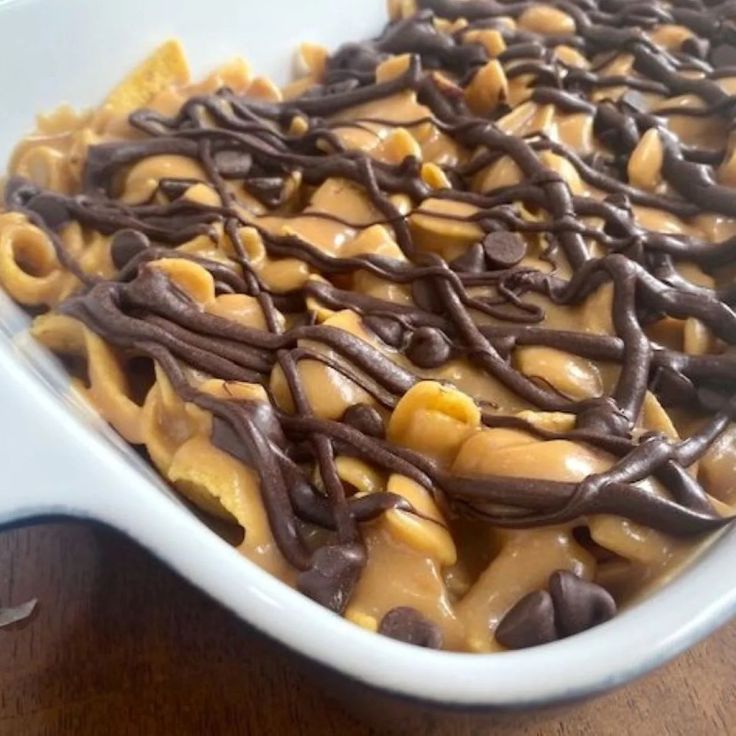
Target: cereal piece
(546, 20)
(29, 269)
(565, 169)
(299, 125)
(234, 74)
(434, 232)
(528, 118)
(645, 164)
(425, 532)
(398, 9)
(488, 88)
(359, 474)
(655, 418)
(143, 178)
(190, 277)
(202, 194)
(523, 565)
(211, 477)
(433, 419)
(398, 145)
(576, 131)
(670, 37)
(329, 392)
(393, 67)
(697, 339)
(264, 89)
(108, 389)
(435, 177)
(311, 60)
(549, 421)
(361, 619)
(559, 460)
(166, 66)
(630, 540)
(241, 308)
(491, 40)
(297, 88)
(504, 172)
(397, 575)
(44, 166)
(572, 57)
(569, 374)
(285, 274)
(716, 469)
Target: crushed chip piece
(9, 616)
(167, 65)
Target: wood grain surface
(120, 645)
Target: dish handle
(45, 464)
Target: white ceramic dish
(57, 459)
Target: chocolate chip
(723, 55)
(361, 58)
(233, 164)
(428, 348)
(332, 576)
(697, 47)
(579, 605)
(126, 245)
(175, 188)
(529, 623)
(389, 330)
(472, 261)
(408, 625)
(365, 419)
(51, 208)
(425, 296)
(266, 189)
(503, 249)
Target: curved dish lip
(83, 462)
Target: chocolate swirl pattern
(469, 280)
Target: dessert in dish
(444, 326)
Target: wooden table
(120, 645)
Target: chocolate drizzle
(241, 140)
